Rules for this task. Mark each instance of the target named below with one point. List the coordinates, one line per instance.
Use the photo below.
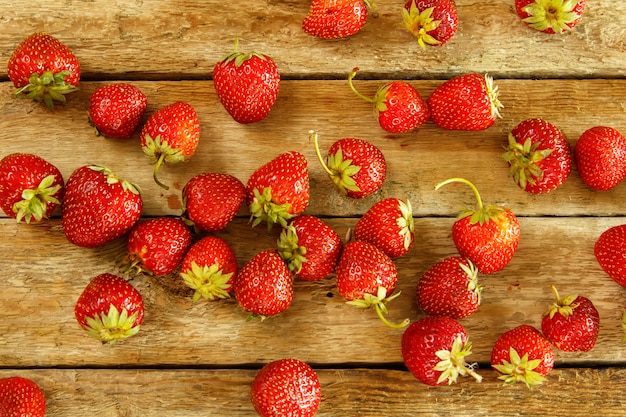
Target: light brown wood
(201, 358)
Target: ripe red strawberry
(367, 278)
(170, 136)
(488, 236)
(286, 387)
(98, 206)
(398, 106)
(467, 102)
(522, 354)
(116, 109)
(356, 167)
(600, 156)
(432, 22)
(44, 69)
(310, 247)
(264, 285)
(110, 309)
(539, 156)
(30, 187)
(279, 189)
(335, 19)
(550, 16)
(211, 200)
(209, 267)
(247, 85)
(388, 225)
(157, 246)
(571, 323)
(434, 350)
(450, 288)
(21, 397)
(610, 252)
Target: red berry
(610, 252)
(600, 156)
(116, 109)
(432, 22)
(336, 19)
(21, 397)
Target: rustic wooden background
(199, 359)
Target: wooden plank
(152, 39)
(345, 393)
(416, 161)
(44, 275)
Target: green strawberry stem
(48, 87)
(290, 250)
(157, 165)
(340, 171)
(378, 303)
(520, 369)
(482, 214)
(160, 152)
(34, 202)
(378, 100)
(350, 78)
(544, 14)
(562, 306)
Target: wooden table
(199, 359)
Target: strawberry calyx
(111, 179)
(340, 171)
(524, 159)
(419, 23)
(238, 58)
(472, 275)
(160, 152)
(482, 214)
(557, 15)
(113, 325)
(47, 88)
(493, 93)
(406, 223)
(34, 201)
(208, 281)
(378, 303)
(289, 249)
(520, 369)
(453, 362)
(264, 209)
(564, 306)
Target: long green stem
(464, 181)
(313, 137)
(350, 77)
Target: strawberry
(432, 22)
(170, 135)
(21, 397)
(98, 206)
(247, 85)
(367, 278)
(571, 323)
(30, 187)
(388, 224)
(44, 69)
(450, 288)
(600, 156)
(209, 267)
(335, 19)
(522, 354)
(110, 309)
(211, 200)
(264, 285)
(356, 167)
(468, 102)
(286, 387)
(434, 350)
(610, 253)
(310, 247)
(157, 246)
(488, 236)
(539, 156)
(398, 106)
(550, 16)
(116, 109)
(279, 189)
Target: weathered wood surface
(200, 358)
